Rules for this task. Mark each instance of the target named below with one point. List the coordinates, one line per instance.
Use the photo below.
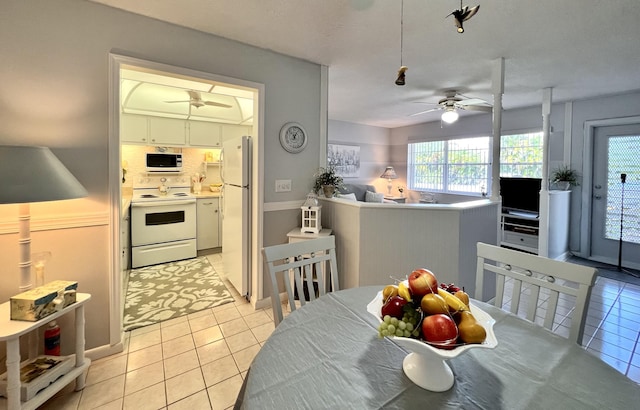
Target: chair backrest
(306, 264)
(525, 274)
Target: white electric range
(163, 219)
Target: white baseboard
(104, 351)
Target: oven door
(162, 221)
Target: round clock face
(293, 137)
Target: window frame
(444, 180)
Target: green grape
(383, 325)
(394, 321)
(387, 319)
(391, 329)
(385, 333)
(407, 333)
(409, 327)
(402, 325)
(399, 332)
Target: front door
(615, 208)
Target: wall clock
(293, 137)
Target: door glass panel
(622, 154)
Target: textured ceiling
(580, 49)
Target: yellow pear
(463, 296)
(432, 304)
(470, 330)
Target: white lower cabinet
(208, 228)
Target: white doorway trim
(587, 176)
(116, 61)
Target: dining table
(327, 355)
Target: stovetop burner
(148, 196)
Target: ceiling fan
(455, 101)
(197, 101)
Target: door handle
(598, 186)
(597, 196)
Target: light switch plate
(283, 185)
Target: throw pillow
(349, 197)
(374, 197)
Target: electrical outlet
(283, 185)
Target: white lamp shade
(450, 116)
(34, 174)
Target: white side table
(295, 235)
(11, 330)
(398, 199)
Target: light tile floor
(199, 361)
(192, 362)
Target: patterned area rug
(162, 292)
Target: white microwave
(164, 162)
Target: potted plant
(328, 181)
(564, 177)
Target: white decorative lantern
(311, 215)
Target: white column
(498, 90)
(543, 232)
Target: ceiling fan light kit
(450, 115)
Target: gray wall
(54, 84)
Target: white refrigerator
(236, 212)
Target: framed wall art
(345, 159)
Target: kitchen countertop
(126, 194)
(207, 194)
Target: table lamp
(34, 174)
(389, 173)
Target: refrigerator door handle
(221, 167)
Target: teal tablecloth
(327, 355)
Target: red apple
(440, 330)
(421, 282)
(393, 307)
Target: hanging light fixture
(464, 14)
(401, 72)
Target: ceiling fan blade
(482, 108)
(217, 104)
(194, 95)
(472, 101)
(179, 101)
(424, 112)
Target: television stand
(520, 230)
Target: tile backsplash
(133, 158)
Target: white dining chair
(537, 284)
(304, 266)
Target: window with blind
(463, 166)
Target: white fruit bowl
(425, 365)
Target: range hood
(148, 93)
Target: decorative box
(38, 303)
(38, 373)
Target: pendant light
(464, 14)
(401, 72)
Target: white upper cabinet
(159, 131)
(231, 131)
(204, 134)
(134, 128)
(167, 131)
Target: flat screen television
(520, 194)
